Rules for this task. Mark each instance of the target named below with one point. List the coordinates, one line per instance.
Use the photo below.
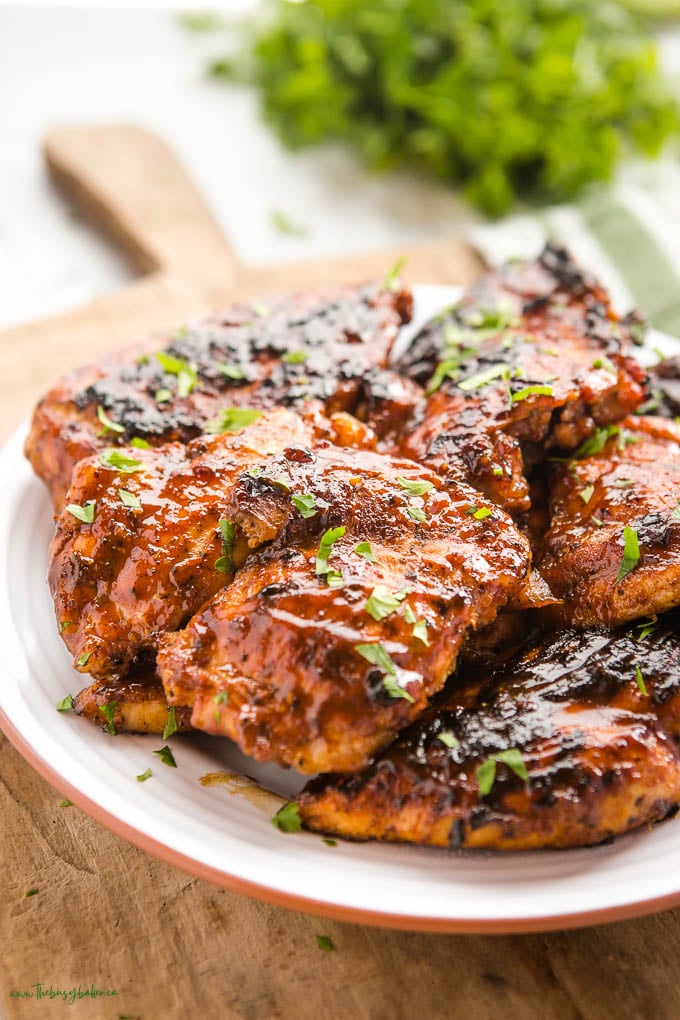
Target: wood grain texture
(172, 946)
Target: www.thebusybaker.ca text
(68, 995)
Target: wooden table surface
(109, 917)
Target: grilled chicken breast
(576, 741)
(531, 360)
(321, 345)
(612, 552)
(335, 633)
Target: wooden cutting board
(171, 946)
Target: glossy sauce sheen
(556, 329)
(633, 481)
(327, 345)
(602, 757)
(277, 648)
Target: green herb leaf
(66, 803)
(420, 632)
(222, 698)
(514, 760)
(163, 395)
(479, 512)
(231, 371)
(129, 499)
(377, 656)
(595, 443)
(171, 724)
(260, 309)
(143, 776)
(84, 658)
(140, 444)
(31, 892)
(288, 818)
(486, 775)
(416, 514)
(447, 738)
(114, 460)
(285, 226)
(64, 624)
(392, 280)
(232, 419)
(483, 378)
(306, 504)
(325, 943)
(109, 712)
(631, 553)
(330, 842)
(676, 513)
(328, 539)
(647, 627)
(364, 549)
(395, 690)
(414, 488)
(382, 602)
(295, 357)
(66, 704)
(166, 756)
(587, 493)
(225, 563)
(110, 426)
(486, 771)
(84, 513)
(530, 391)
(335, 578)
(409, 615)
(639, 679)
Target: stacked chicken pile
(437, 582)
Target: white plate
(227, 838)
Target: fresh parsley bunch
(509, 99)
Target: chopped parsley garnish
(478, 512)
(647, 627)
(171, 724)
(222, 698)
(166, 756)
(414, 488)
(225, 563)
(163, 395)
(231, 371)
(483, 378)
(392, 279)
(31, 892)
(447, 738)
(595, 443)
(139, 443)
(364, 549)
(143, 776)
(530, 391)
(64, 624)
(66, 704)
(587, 493)
(306, 504)
(288, 818)
(295, 357)
(186, 372)
(486, 771)
(409, 615)
(114, 460)
(109, 712)
(640, 681)
(84, 513)
(286, 226)
(325, 943)
(129, 499)
(260, 309)
(447, 369)
(328, 539)
(84, 658)
(604, 363)
(382, 602)
(109, 426)
(420, 632)
(416, 514)
(231, 419)
(283, 482)
(676, 513)
(330, 842)
(497, 472)
(378, 656)
(66, 803)
(631, 553)
(335, 578)
(623, 483)
(253, 472)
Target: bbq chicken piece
(140, 546)
(318, 346)
(665, 387)
(532, 360)
(612, 552)
(575, 742)
(133, 704)
(350, 615)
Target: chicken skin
(573, 743)
(316, 346)
(531, 360)
(152, 553)
(612, 552)
(133, 704)
(367, 575)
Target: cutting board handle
(132, 184)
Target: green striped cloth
(627, 234)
